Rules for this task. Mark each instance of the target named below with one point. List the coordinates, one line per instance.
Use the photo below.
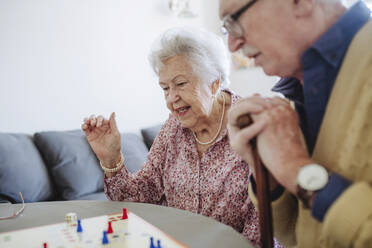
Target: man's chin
(269, 71)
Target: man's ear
(303, 8)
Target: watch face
(312, 177)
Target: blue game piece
(152, 243)
(79, 228)
(105, 239)
(159, 246)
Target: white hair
(206, 52)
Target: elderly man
(322, 184)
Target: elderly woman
(191, 165)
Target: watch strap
(306, 196)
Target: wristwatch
(310, 179)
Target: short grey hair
(206, 52)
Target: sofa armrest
(22, 170)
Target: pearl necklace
(219, 127)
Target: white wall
(63, 60)
(253, 80)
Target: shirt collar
(337, 37)
(332, 45)
(289, 87)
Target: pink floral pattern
(215, 185)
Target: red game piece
(45, 245)
(125, 215)
(109, 229)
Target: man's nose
(234, 43)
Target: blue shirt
(321, 63)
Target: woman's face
(187, 97)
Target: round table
(194, 230)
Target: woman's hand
(104, 138)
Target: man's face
(269, 35)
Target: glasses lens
(224, 31)
(232, 27)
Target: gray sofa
(49, 166)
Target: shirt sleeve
(274, 195)
(251, 228)
(146, 185)
(325, 197)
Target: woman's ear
(215, 86)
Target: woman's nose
(172, 95)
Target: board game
(125, 230)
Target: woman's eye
(165, 88)
(181, 83)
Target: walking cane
(263, 190)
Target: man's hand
(240, 137)
(279, 144)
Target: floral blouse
(215, 185)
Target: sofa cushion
(22, 170)
(71, 162)
(73, 165)
(134, 151)
(149, 134)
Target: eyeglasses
(16, 213)
(230, 22)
